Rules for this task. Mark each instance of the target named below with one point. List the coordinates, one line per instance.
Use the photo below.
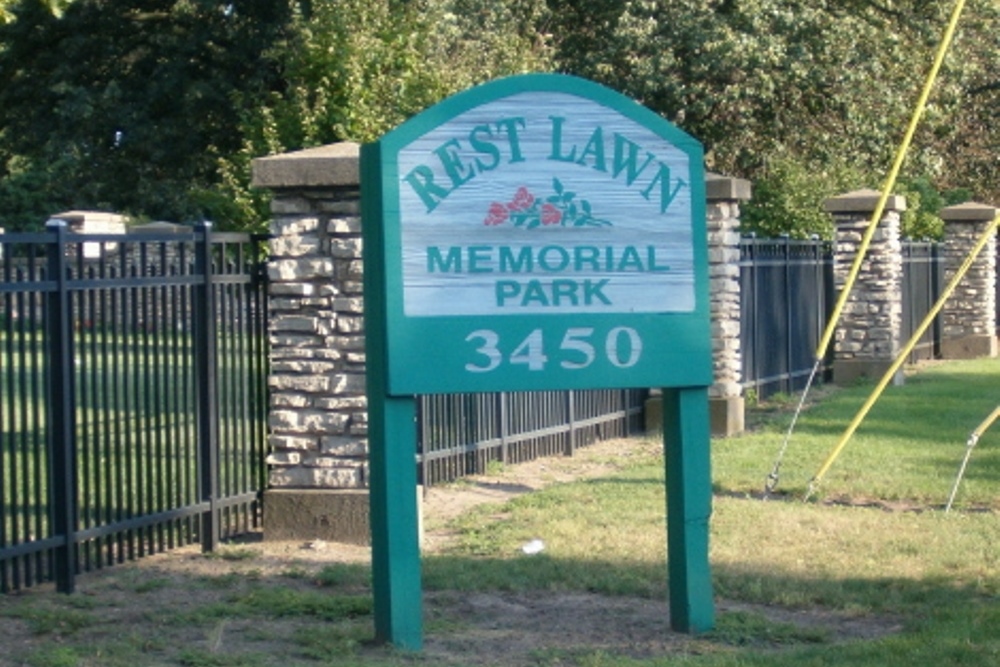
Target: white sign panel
(512, 209)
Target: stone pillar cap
(719, 187)
(323, 166)
(161, 227)
(863, 201)
(968, 212)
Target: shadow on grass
(567, 607)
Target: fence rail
(461, 434)
(132, 397)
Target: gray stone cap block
(161, 227)
(863, 201)
(323, 166)
(726, 188)
(968, 212)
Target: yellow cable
(901, 358)
(890, 182)
(986, 423)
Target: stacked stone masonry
(318, 419)
(968, 319)
(870, 326)
(726, 404)
(973, 300)
(723, 227)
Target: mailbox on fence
(537, 232)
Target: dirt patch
(477, 629)
(518, 629)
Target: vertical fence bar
(7, 403)
(571, 419)
(502, 419)
(205, 390)
(789, 381)
(189, 465)
(61, 427)
(260, 336)
(936, 286)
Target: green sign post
(538, 232)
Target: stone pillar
(318, 419)
(868, 334)
(968, 316)
(722, 214)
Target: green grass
(933, 577)
(907, 449)
(137, 449)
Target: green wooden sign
(547, 233)
(537, 232)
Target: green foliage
(757, 78)
(788, 198)
(125, 105)
(55, 6)
(819, 93)
(157, 108)
(923, 202)
(33, 191)
(354, 69)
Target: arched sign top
(540, 232)
(511, 86)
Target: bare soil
(481, 629)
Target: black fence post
(936, 286)
(571, 419)
(206, 396)
(61, 427)
(788, 371)
(504, 431)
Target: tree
(155, 107)
(56, 7)
(354, 69)
(799, 87)
(133, 100)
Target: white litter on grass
(533, 547)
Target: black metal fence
(461, 434)
(133, 400)
(132, 397)
(923, 282)
(788, 293)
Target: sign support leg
(395, 539)
(686, 441)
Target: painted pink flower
(522, 200)
(551, 215)
(497, 214)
